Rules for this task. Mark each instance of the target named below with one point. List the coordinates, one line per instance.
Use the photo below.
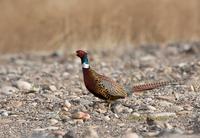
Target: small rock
(116, 115)
(23, 85)
(165, 103)
(64, 115)
(81, 115)
(152, 108)
(70, 134)
(136, 114)
(127, 110)
(16, 104)
(130, 135)
(168, 126)
(53, 121)
(66, 74)
(170, 99)
(175, 108)
(78, 121)
(65, 109)
(3, 113)
(162, 116)
(7, 90)
(184, 112)
(121, 124)
(58, 134)
(184, 67)
(152, 134)
(119, 108)
(178, 130)
(51, 128)
(67, 104)
(34, 104)
(77, 90)
(52, 88)
(69, 67)
(188, 108)
(107, 118)
(91, 133)
(39, 134)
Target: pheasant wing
(112, 88)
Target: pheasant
(105, 88)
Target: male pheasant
(104, 87)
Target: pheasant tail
(153, 85)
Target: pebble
(23, 85)
(151, 107)
(46, 128)
(7, 90)
(135, 114)
(70, 134)
(119, 108)
(67, 104)
(130, 135)
(52, 88)
(188, 108)
(184, 112)
(34, 104)
(65, 109)
(53, 121)
(152, 134)
(64, 115)
(57, 134)
(78, 121)
(39, 134)
(81, 115)
(66, 75)
(178, 130)
(51, 128)
(165, 103)
(184, 67)
(107, 118)
(162, 116)
(175, 108)
(90, 133)
(168, 126)
(4, 113)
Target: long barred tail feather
(153, 85)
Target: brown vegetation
(44, 25)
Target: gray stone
(52, 88)
(70, 134)
(91, 133)
(23, 85)
(7, 90)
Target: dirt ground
(43, 94)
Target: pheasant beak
(77, 53)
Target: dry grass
(49, 24)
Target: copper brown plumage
(104, 87)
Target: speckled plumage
(102, 86)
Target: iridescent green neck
(85, 62)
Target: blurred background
(41, 25)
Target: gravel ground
(43, 95)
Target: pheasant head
(84, 59)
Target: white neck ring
(85, 65)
